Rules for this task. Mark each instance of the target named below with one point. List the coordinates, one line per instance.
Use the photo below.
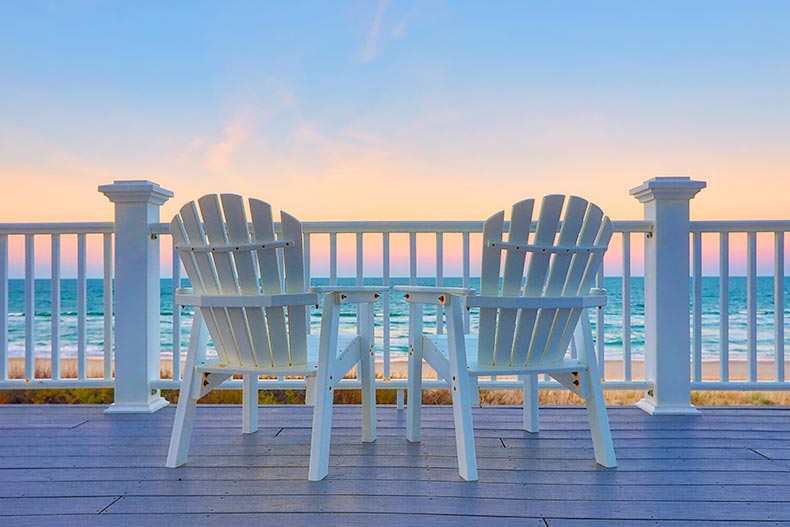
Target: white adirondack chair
(257, 328)
(527, 320)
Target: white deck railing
(724, 230)
(371, 249)
(30, 234)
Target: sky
(393, 109)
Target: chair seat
(471, 344)
(308, 369)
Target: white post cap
(136, 191)
(667, 187)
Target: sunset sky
(394, 110)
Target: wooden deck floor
(76, 466)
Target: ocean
(613, 333)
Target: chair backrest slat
(293, 263)
(263, 224)
(520, 224)
(489, 285)
(594, 263)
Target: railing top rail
(740, 226)
(323, 227)
(340, 227)
(58, 228)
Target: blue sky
(475, 101)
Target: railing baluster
(779, 305)
(307, 267)
(697, 304)
(412, 258)
(751, 303)
(626, 306)
(176, 350)
(360, 260)
(359, 266)
(332, 258)
(3, 307)
(55, 308)
(724, 306)
(439, 280)
(307, 277)
(30, 306)
(82, 307)
(108, 311)
(465, 280)
(385, 271)
(599, 328)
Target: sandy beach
(398, 369)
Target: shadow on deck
(76, 466)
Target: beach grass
(487, 397)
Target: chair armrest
(432, 295)
(359, 294)
(461, 291)
(276, 300)
(536, 302)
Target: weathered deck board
(76, 466)
(295, 519)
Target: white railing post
(136, 295)
(667, 342)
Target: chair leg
(461, 392)
(322, 431)
(187, 401)
(182, 426)
(249, 419)
(309, 391)
(531, 403)
(414, 394)
(475, 389)
(367, 368)
(599, 423)
(324, 397)
(596, 405)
